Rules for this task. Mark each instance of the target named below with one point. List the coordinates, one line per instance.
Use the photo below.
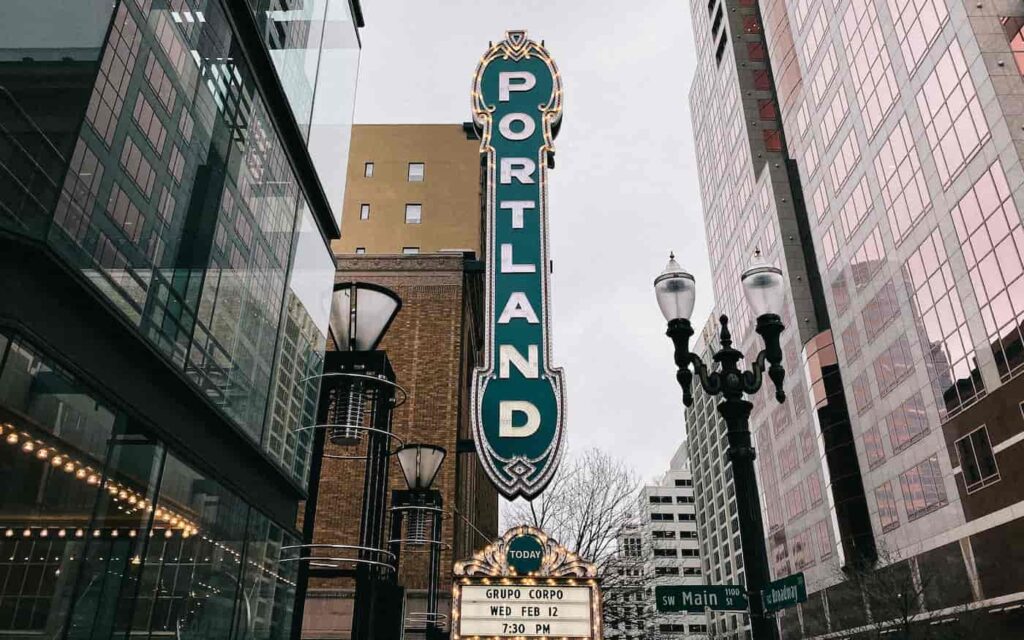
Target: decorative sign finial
(518, 396)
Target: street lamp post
(357, 395)
(763, 287)
(420, 464)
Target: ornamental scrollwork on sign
(557, 561)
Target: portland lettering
(518, 396)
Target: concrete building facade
(901, 125)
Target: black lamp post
(357, 393)
(764, 289)
(420, 464)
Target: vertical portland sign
(518, 396)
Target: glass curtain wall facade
(899, 123)
(155, 153)
(903, 119)
(812, 498)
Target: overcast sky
(624, 193)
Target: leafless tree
(589, 507)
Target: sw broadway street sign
(525, 585)
(518, 396)
(785, 592)
(697, 598)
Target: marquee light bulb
(12, 438)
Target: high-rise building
(413, 188)
(434, 344)
(899, 128)
(659, 547)
(717, 517)
(166, 291)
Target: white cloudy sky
(625, 191)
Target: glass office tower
(166, 288)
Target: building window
(368, 170)
(977, 462)
(1014, 29)
(413, 213)
(899, 172)
(661, 499)
(755, 51)
(952, 114)
(873, 447)
(360, 250)
(666, 553)
(823, 535)
(631, 547)
(762, 81)
(907, 423)
(893, 365)
(873, 78)
(988, 227)
(666, 571)
(813, 483)
(888, 516)
(659, 517)
(942, 328)
(881, 310)
(410, 250)
(415, 172)
(684, 499)
(923, 490)
(684, 482)
(364, 212)
(917, 24)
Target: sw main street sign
(785, 592)
(697, 598)
(518, 404)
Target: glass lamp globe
(420, 464)
(763, 286)
(675, 291)
(361, 314)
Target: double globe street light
(764, 289)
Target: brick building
(433, 344)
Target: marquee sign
(518, 396)
(558, 598)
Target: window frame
(983, 482)
(368, 169)
(419, 217)
(422, 175)
(364, 211)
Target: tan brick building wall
(449, 192)
(434, 343)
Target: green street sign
(518, 406)
(697, 598)
(525, 553)
(786, 592)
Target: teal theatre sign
(525, 554)
(518, 396)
